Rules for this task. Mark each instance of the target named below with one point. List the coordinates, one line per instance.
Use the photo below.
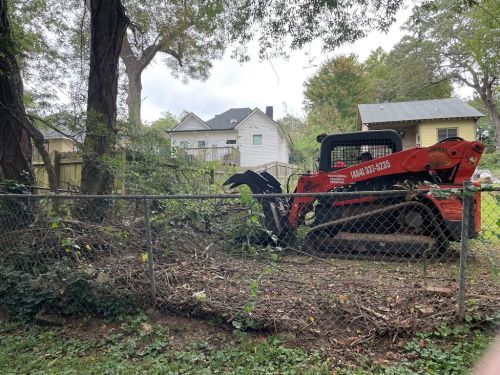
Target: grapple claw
(258, 183)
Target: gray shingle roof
(416, 110)
(229, 119)
(53, 134)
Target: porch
(226, 155)
(407, 131)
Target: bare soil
(343, 308)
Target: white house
(240, 136)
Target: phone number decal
(370, 169)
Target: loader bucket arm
(448, 163)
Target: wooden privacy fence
(68, 169)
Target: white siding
(274, 147)
(211, 138)
(271, 148)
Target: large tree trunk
(15, 126)
(134, 96)
(493, 112)
(15, 145)
(486, 95)
(108, 25)
(133, 68)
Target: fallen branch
(374, 313)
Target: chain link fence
(340, 267)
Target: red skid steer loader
(395, 222)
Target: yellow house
(55, 141)
(64, 156)
(422, 122)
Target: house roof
(450, 108)
(63, 133)
(185, 118)
(229, 119)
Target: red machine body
(453, 159)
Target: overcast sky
(279, 83)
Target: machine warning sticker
(438, 157)
(370, 169)
(337, 179)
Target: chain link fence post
(149, 246)
(467, 201)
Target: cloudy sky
(278, 82)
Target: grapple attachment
(275, 209)
(258, 183)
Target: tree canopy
(189, 35)
(331, 95)
(407, 72)
(465, 44)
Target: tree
(189, 34)
(467, 42)
(332, 94)
(15, 145)
(35, 53)
(15, 126)
(407, 72)
(485, 130)
(295, 128)
(108, 25)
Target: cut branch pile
(332, 304)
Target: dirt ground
(343, 308)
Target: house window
(444, 133)
(184, 144)
(257, 139)
(231, 142)
(201, 144)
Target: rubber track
(441, 237)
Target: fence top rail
(217, 196)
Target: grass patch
(138, 347)
(444, 351)
(490, 221)
(131, 350)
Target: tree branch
(39, 141)
(127, 54)
(49, 125)
(174, 54)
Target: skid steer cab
(386, 195)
